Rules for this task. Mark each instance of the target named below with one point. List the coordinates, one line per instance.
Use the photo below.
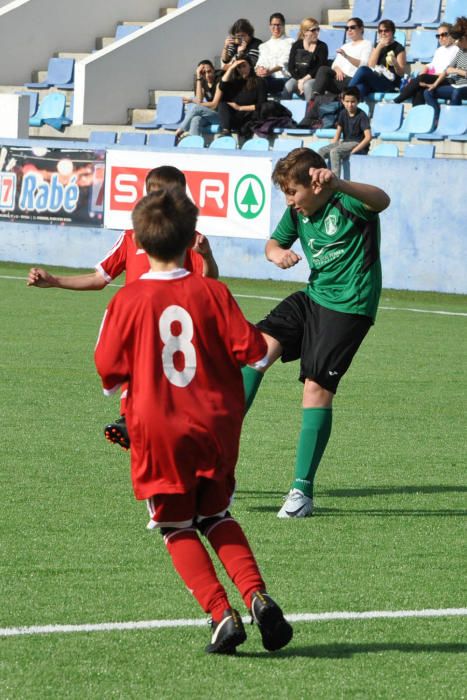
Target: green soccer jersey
(341, 243)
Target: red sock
(193, 563)
(231, 546)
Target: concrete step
(139, 116)
(167, 11)
(103, 41)
(135, 22)
(338, 15)
(155, 94)
(76, 56)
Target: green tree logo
(250, 196)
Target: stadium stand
(398, 11)
(226, 142)
(161, 140)
(128, 138)
(169, 111)
(454, 8)
(423, 44)
(369, 12)
(33, 101)
(334, 38)
(256, 144)
(52, 107)
(192, 141)
(452, 122)
(386, 117)
(425, 13)
(282, 145)
(103, 138)
(124, 30)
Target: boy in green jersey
(337, 224)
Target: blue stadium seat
(401, 37)
(424, 12)
(419, 150)
(370, 34)
(59, 74)
(462, 138)
(453, 10)
(386, 117)
(124, 30)
(369, 12)
(161, 140)
(423, 44)
(102, 138)
(51, 107)
(389, 150)
(452, 122)
(419, 120)
(169, 110)
(293, 32)
(316, 145)
(128, 138)
(286, 145)
(256, 144)
(334, 38)
(325, 133)
(298, 109)
(182, 3)
(60, 123)
(227, 142)
(397, 10)
(192, 141)
(33, 101)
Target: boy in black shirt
(354, 125)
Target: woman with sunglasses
(456, 73)
(307, 54)
(386, 65)
(442, 58)
(353, 54)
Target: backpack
(321, 113)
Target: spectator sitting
(307, 54)
(386, 65)
(273, 58)
(207, 98)
(355, 53)
(442, 58)
(243, 93)
(240, 43)
(354, 125)
(455, 73)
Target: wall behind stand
(424, 241)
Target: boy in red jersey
(126, 257)
(179, 341)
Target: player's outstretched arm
(282, 257)
(373, 197)
(38, 277)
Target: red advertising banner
(52, 185)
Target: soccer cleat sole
(113, 434)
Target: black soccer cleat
(276, 632)
(117, 432)
(227, 634)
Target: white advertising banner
(233, 194)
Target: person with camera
(240, 43)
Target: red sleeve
(247, 342)
(194, 262)
(115, 261)
(109, 356)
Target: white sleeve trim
(102, 272)
(111, 392)
(261, 363)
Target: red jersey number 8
(174, 344)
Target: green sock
(251, 381)
(314, 436)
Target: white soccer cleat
(296, 505)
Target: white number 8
(177, 343)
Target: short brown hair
(164, 222)
(164, 175)
(295, 167)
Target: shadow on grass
(347, 651)
(392, 490)
(374, 512)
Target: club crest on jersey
(330, 225)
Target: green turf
(388, 533)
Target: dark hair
(243, 26)
(357, 21)
(459, 28)
(351, 92)
(163, 176)
(277, 15)
(295, 167)
(387, 24)
(205, 61)
(164, 222)
(252, 79)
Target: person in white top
(353, 54)
(442, 58)
(273, 58)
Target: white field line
(262, 298)
(299, 617)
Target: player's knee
(206, 524)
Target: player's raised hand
(38, 277)
(201, 245)
(323, 179)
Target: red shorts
(210, 498)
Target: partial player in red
(126, 257)
(178, 341)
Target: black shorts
(324, 340)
